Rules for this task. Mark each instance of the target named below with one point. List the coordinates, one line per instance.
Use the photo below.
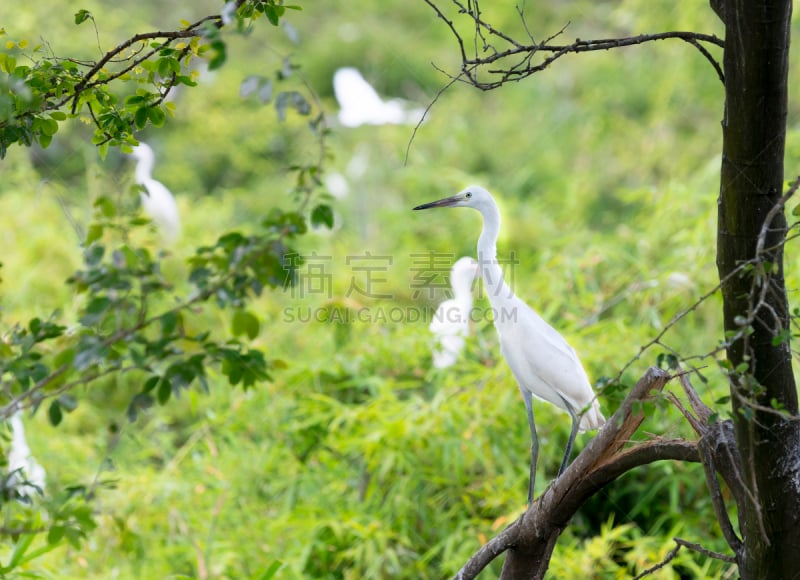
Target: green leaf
(183, 80)
(270, 572)
(65, 357)
(218, 55)
(68, 402)
(291, 99)
(82, 16)
(322, 215)
(5, 65)
(96, 310)
(140, 117)
(157, 116)
(94, 233)
(140, 402)
(49, 127)
(245, 323)
(782, 336)
(90, 351)
(54, 413)
(151, 383)
(249, 86)
(164, 68)
(273, 13)
(105, 206)
(138, 99)
(164, 391)
(169, 322)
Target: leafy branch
(121, 328)
(33, 96)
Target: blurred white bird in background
(450, 324)
(360, 104)
(26, 476)
(543, 363)
(157, 201)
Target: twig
(674, 552)
(667, 559)
(773, 212)
(439, 93)
(705, 551)
(717, 501)
(704, 51)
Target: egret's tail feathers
(592, 418)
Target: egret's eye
(469, 194)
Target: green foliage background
(358, 460)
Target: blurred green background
(360, 460)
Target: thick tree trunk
(756, 64)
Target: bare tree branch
(710, 470)
(667, 559)
(516, 61)
(705, 551)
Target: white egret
(27, 476)
(542, 362)
(360, 104)
(450, 323)
(157, 201)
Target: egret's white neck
(487, 243)
(144, 169)
(491, 272)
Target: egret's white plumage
(543, 363)
(157, 201)
(450, 323)
(27, 476)
(360, 104)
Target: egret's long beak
(446, 202)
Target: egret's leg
(526, 396)
(573, 432)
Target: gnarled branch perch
(529, 541)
